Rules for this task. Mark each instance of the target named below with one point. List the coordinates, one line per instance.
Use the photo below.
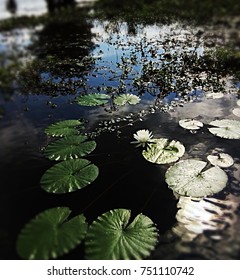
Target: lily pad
(112, 237)
(221, 160)
(70, 147)
(238, 102)
(187, 178)
(63, 128)
(215, 95)
(69, 176)
(94, 99)
(236, 112)
(50, 234)
(163, 151)
(126, 99)
(190, 124)
(229, 129)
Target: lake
(173, 69)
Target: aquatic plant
(221, 160)
(143, 137)
(69, 175)
(70, 147)
(113, 237)
(163, 151)
(93, 99)
(188, 178)
(123, 99)
(226, 128)
(51, 234)
(190, 124)
(64, 128)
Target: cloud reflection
(196, 216)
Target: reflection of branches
(62, 50)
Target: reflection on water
(23, 7)
(29, 7)
(212, 224)
(197, 216)
(70, 58)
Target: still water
(106, 56)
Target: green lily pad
(50, 234)
(63, 128)
(187, 178)
(94, 99)
(69, 176)
(163, 151)
(126, 99)
(69, 147)
(111, 237)
(229, 129)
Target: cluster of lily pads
(190, 177)
(101, 99)
(72, 172)
(52, 233)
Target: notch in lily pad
(222, 160)
(188, 178)
(68, 176)
(124, 99)
(190, 124)
(94, 99)
(64, 128)
(113, 237)
(70, 147)
(163, 151)
(226, 128)
(51, 234)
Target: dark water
(206, 229)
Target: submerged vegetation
(109, 75)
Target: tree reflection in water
(11, 6)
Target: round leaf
(221, 160)
(215, 95)
(50, 234)
(69, 176)
(188, 178)
(70, 147)
(93, 99)
(63, 128)
(126, 99)
(225, 128)
(163, 151)
(190, 124)
(236, 112)
(112, 237)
